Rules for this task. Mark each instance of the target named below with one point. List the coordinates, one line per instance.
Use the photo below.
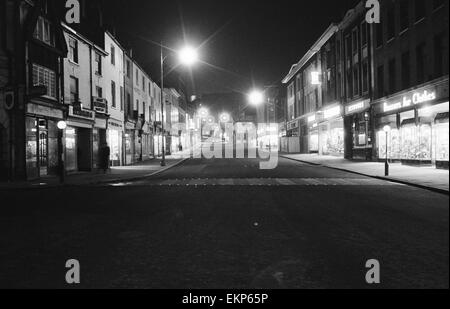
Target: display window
(114, 142)
(71, 149)
(314, 141)
(416, 142)
(394, 145)
(32, 148)
(442, 141)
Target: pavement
(425, 177)
(114, 174)
(227, 224)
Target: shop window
(416, 142)
(394, 145)
(31, 148)
(441, 131)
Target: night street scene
(224, 149)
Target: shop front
(358, 131)
(331, 131)
(115, 133)
(79, 140)
(312, 134)
(416, 126)
(129, 140)
(147, 142)
(98, 139)
(41, 141)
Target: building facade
(33, 47)
(411, 91)
(114, 94)
(84, 97)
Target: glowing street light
(203, 112)
(256, 98)
(62, 125)
(225, 117)
(188, 56)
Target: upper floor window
(73, 50)
(98, 64)
(128, 69)
(74, 90)
(45, 77)
(137, 77)
(113, 94)
(391, 23)
(113, 55)
(420, 9)
(99, 92)
(404, 15)
(438, 3)
(44, 31)
(364, 34)
(143, 83)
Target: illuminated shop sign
(410, 100)
(332, 112)
(312, 118)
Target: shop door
(43, 148)
(71, 150)
(84, 150)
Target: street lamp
(256, 97)
(62, 125)
(187, 56)
(386, 130)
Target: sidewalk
(115, 174)
(425, 177)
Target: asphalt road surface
(227, 224)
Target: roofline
(331, 30)
(71, 31)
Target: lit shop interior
(417, 137)
(327, 138)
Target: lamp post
(187, 56)
(386, 130)
(62, 125)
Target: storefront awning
(441, 118)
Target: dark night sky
(247, 42)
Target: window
(355, 41)
(99, 92)
(113, 94)
(150, 90)
(98, 64)
(379, 33)
(45, 77)
(128, 69)
(364, 34)
(74, 90)
(438, 55)
(406, 70)
(438, 4)
(404, 15)
(113, 55)
(365, 76)
(392, 76)
(420, 9)
(73, 50)
(121, 98)
(143, 83)
(44, 31)
(137, 77)
(355, 81)
(391, 23)
(380, 81)
(129, 108)
(420, 63)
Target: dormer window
(44, 31)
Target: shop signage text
(332, 112)
(407, 101)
